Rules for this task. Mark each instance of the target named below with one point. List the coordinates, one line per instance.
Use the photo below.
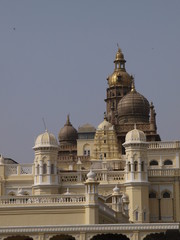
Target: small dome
(135, 135)
(68, 134)
(105, 125)
(133, 108)
(119, 55)
(91, 175)
(46, 140)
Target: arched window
(135, 166)
(152, 195)
(153, 163)
(168, 162)
(44, 168)
(166, 195)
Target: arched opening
(168, 162)
(110, 236)
(154, 207)
(169, 235)
(86, 150)
(62, 237)
(18, 238)
(166, 206)
(153, 163)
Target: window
(152, 195)
(166, 195)
(105, 155)
(135, 166)
(52, 168)
(142, 166)
(84, 152)
(44, 168)
(104, 141)
(144, 216)
(129, 166)
(153, 163)
(38, 169)
(136, 214)
(168, 162)
(88, 152)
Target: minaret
(46, 151)
(136, 176)
(119, 84)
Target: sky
(55, 57)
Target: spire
(68, 123)
(133, 85)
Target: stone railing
(81, 176)
(18, 169)
(42, 200)
(163, 172)
(163, 145)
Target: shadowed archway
(62, 237)
(110, 236)
(18, 238)
(169, 235)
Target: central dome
(133, 108)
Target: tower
(136, 176)
(119, 84)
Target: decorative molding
(98, 228)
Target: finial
(44, 125)
(119, 50)
(68, 121)
(105, 117)
(135, 126)
(133, 85)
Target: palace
(116, 181)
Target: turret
(46, 150)
(136, 180)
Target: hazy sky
(55, 57)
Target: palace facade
(116, 181)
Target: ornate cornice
(98, 228)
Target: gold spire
(133, 86)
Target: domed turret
(45, 140)
(133, 108)
(119, 77)
(68, 134)
(135, 135)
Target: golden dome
(119, 77)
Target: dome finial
(68, 120)
(133, 85)
(135, 126)
(119, 50)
